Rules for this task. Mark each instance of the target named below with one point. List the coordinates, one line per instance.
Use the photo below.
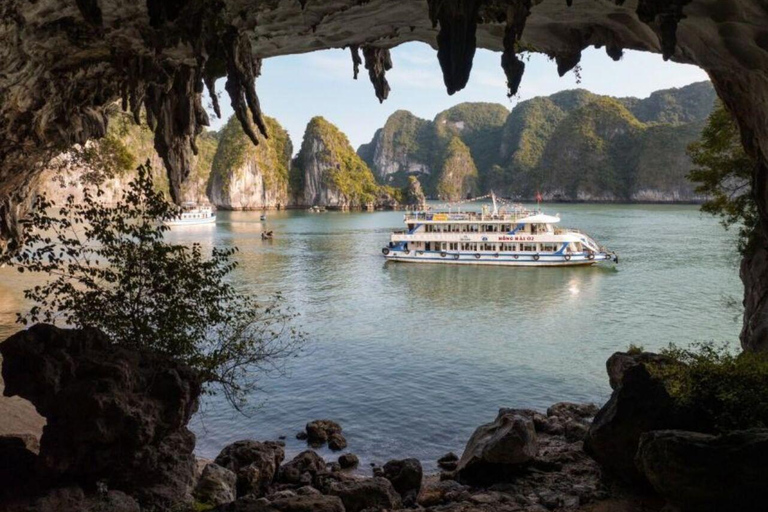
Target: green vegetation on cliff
(572, 145)
(325, 149)
(272, 156)
(458, 176)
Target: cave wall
(62, 61)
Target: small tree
(109, 267)
(723, 173)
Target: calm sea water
(410, 358)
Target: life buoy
(496, 255)
(455, 256)
(477, 255)
(516, 256)
(591, 256)
(406, 252)
(385, 251)
(536, 257)
(419, 252)
(443, 254)
(567, 257)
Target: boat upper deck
(515, 216)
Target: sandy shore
(18, 416)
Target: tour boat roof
(539, 218)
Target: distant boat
(193, 215)
(263, 216)
(519, 237)
(317, 209)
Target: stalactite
(378, 61)
(242, 70)
(567, 61)
(513, 67)
(669, 13)
(356, 61)
(614, 51)
(210, 84)
(456, 41)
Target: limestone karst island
(365, 256)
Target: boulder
(254, 463)
(217, 485)
(74, 499)
(302, 469)
(620, 362)
(640, 404)
(702, 472)
(371, 493)
(337, 442)
(448, 461)
(319, 431)
(113, 414)
(298, 503)
(405, 476)
(348, 461)
(498, 450)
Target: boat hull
(191, 222)
(505, 260)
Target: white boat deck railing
(465, 216)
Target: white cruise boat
(515, 237)
(193, 215)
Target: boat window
(549, 247)
(528, 247)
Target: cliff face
(328, 172)
(401, 148)
(246, 177)
(111, 162)
(458, 174)
(572, 146)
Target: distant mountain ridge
(572, 145)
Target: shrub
(730, 390)
(110, 267)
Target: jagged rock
(217, 485)
(566, 410)
(405, 476)
(307, 491)
(305, 503)
(449, 461)
(319, 431)
(701, 472)
(305, 463)
(374, 493)
(640, 404)
(348, 461)
(255, 464)
(499, 449)
(414, 195)
(619, 362)
(114, 414)
(437, 493)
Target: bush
(730, 390)
(109, 267)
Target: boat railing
(470, 216)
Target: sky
(295, 88)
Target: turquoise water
(410, 358)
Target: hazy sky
(295, 88)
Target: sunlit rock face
(62, 61)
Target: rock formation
(570, 146)
(115, 416)
(328, 172)
(248, 177)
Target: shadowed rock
(405, 476)
(255, 464)
(217, 485)
(373, 493)
(705, 472)
(114, 414)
